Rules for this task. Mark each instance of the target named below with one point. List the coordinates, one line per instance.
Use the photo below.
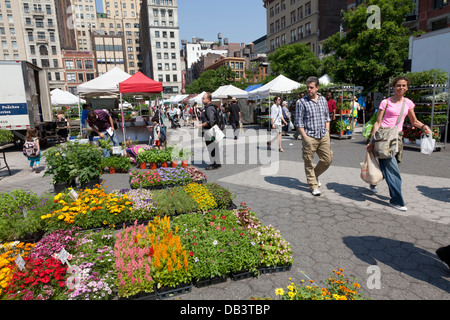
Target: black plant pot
(89, 184)
(62, 186)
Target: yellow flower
(279, 292)
(291, 294)
(60, 217)
(290, 288)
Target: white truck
(430, 51)
(25, 99)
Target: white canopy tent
(279, 85)
(176, 99)
(104, 85)
(325, 80)
(63, 98)
(228, 91)
(197, 98)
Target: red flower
(224, 217)
(213, 216)
(191, 253)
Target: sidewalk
(347, 227)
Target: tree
(295, 61)
(365, 55)
(211, 80)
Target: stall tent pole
(123, 120)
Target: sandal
(281, 150)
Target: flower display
(8, 253)
(143, 204)
(159, 177)
(92, 208)
(338, 287)
(92, 267)
(201, 195)
(42, 279)
(217, 244)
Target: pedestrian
(132, 150)
(387, 116)
(102, 123)
(313, 119)
(158, 134)
(331, 106)
(234, 117)
(210, 117)
(354, 111)
(32, 150)
(287, 118)
(297, 135)
(62, 124)
(276, 120)
(84, 115)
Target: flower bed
(165, 177)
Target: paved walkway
(347, 227)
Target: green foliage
(210, 80)
(71, 160)
(21, 214)
(295, 61)
(6, 136)
(369, 57)
(424, 78)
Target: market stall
(138, 84)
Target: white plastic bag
(427, 144)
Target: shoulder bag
(386, 139)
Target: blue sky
(237, 20)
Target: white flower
(214, 242)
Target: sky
(237, 20)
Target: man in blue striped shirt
(313, 120)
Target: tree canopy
(295, 61)
(364, 54)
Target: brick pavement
(347, 227)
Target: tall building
(302, 21)
(160, 43)
(121, 18)
(29, 31)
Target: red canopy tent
(138, 83)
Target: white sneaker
(373, 189)
(319, 183)
(316, 192)
(400, 208)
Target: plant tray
(168, 292)
(205, 282)
(271, 269)
(241, 275)
(142, 296)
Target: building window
(308, 29)
(70, 65)
(440, 24)
(88, 64)
(308, 8)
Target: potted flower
(164, 158)
(141, 159)
(152, 157)
(87, 160)
(185, 154)
(174, 152)
(123, 164)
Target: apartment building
(121, 18)
(160, 43)
(302, 21)
(79, 67)
(29, 31)
(109, 51)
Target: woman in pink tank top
(388, 113)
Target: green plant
(172, 201)
(105, 144)
(164, 156)
(123, 163)
(59, 164)
(6, 136)
(87, 159)
(222, 195)
(185, 154)
(338, 287)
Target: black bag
(219, 119)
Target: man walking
(234, 116)
(313, 120)
(210, 117)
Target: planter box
(164, 293)
(241, 275)
(205, 282)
